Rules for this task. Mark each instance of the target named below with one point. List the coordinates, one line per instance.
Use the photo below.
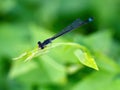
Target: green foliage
(61, 65)
(69, 49)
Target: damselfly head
(40, 45)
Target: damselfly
(77, 23)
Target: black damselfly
(77, 23)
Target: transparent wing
(69, 28)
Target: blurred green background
(24, 22)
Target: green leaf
(86, 59)
(79, 51)
(106, 81)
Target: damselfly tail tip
(90, 19)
